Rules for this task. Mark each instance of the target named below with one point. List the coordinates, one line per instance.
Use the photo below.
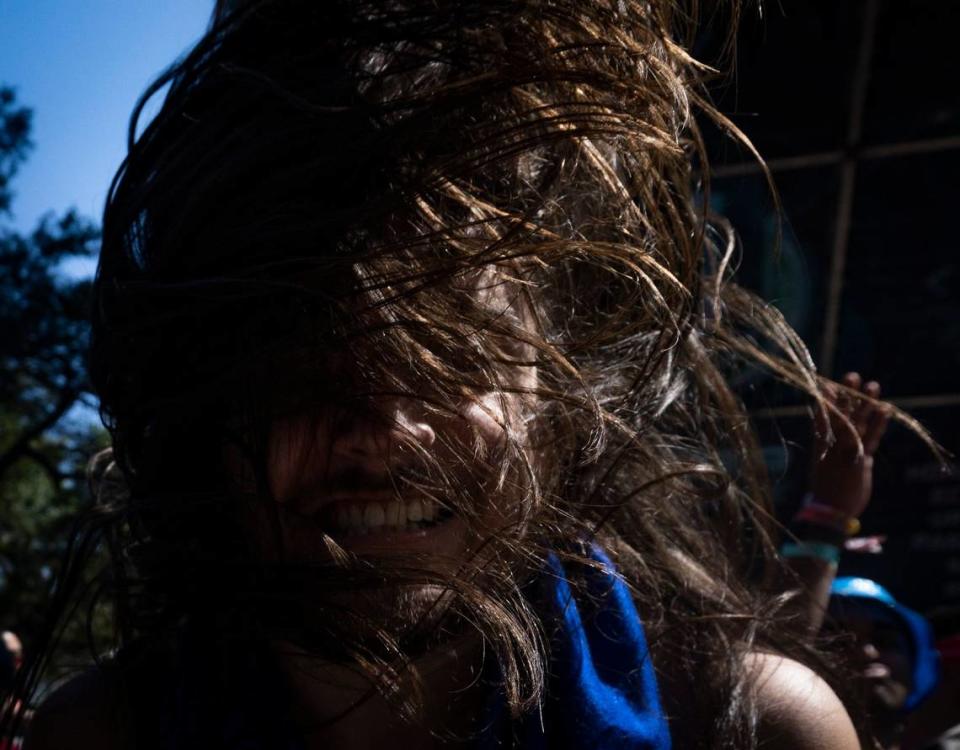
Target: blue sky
(80, 65)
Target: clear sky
(81, 65)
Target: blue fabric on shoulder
(602, 690)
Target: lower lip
(390, 539)
(331, 518)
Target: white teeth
(394, 515)
(414, 511)
(373, 516)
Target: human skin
(841, 476)
(329, 466)
(322, 465)
(815, 717)
(883, 653)
(797, 709)
(842, 472)
(883, 658)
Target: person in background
(894, 648)
(846, 439)
(936, 724)
(11, 659)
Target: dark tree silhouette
(47, 430)
(14, 143)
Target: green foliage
(48, 428)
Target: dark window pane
(791, 91)
(900, 318)
(913, 90)
(796, 279)
(916, 504)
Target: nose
(383, 439)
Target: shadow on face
(884, 651)
(399, 472)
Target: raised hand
(842, 474)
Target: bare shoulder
(798, 710)
(80, 713)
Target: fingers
(842, 423)
(868, 416)
(843, 399)
(852, 380)
(865, 408)
(871, 418)
(822, 416)
(876, 427)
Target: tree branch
(55, 475)
(21, 445)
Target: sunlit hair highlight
(340, 177)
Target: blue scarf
(601, 691)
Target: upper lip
(309, 505)
(335, 497)
(354, 485)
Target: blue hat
(926, 661)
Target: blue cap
(926, 661)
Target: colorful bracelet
(820, 550)
(821, 514)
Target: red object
(949, 648)
(825, 515)
(871, 545)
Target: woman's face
(884, 652)
(369, 483)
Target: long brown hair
(335, 177)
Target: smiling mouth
(360, 516)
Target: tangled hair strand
(342, 177)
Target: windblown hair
(332, 182)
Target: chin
(418, 618)
(889, 696)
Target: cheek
(900, 666)
(486, 419)
(283, 450)
(293, 447)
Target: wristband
(821, 514)
(829, 553)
